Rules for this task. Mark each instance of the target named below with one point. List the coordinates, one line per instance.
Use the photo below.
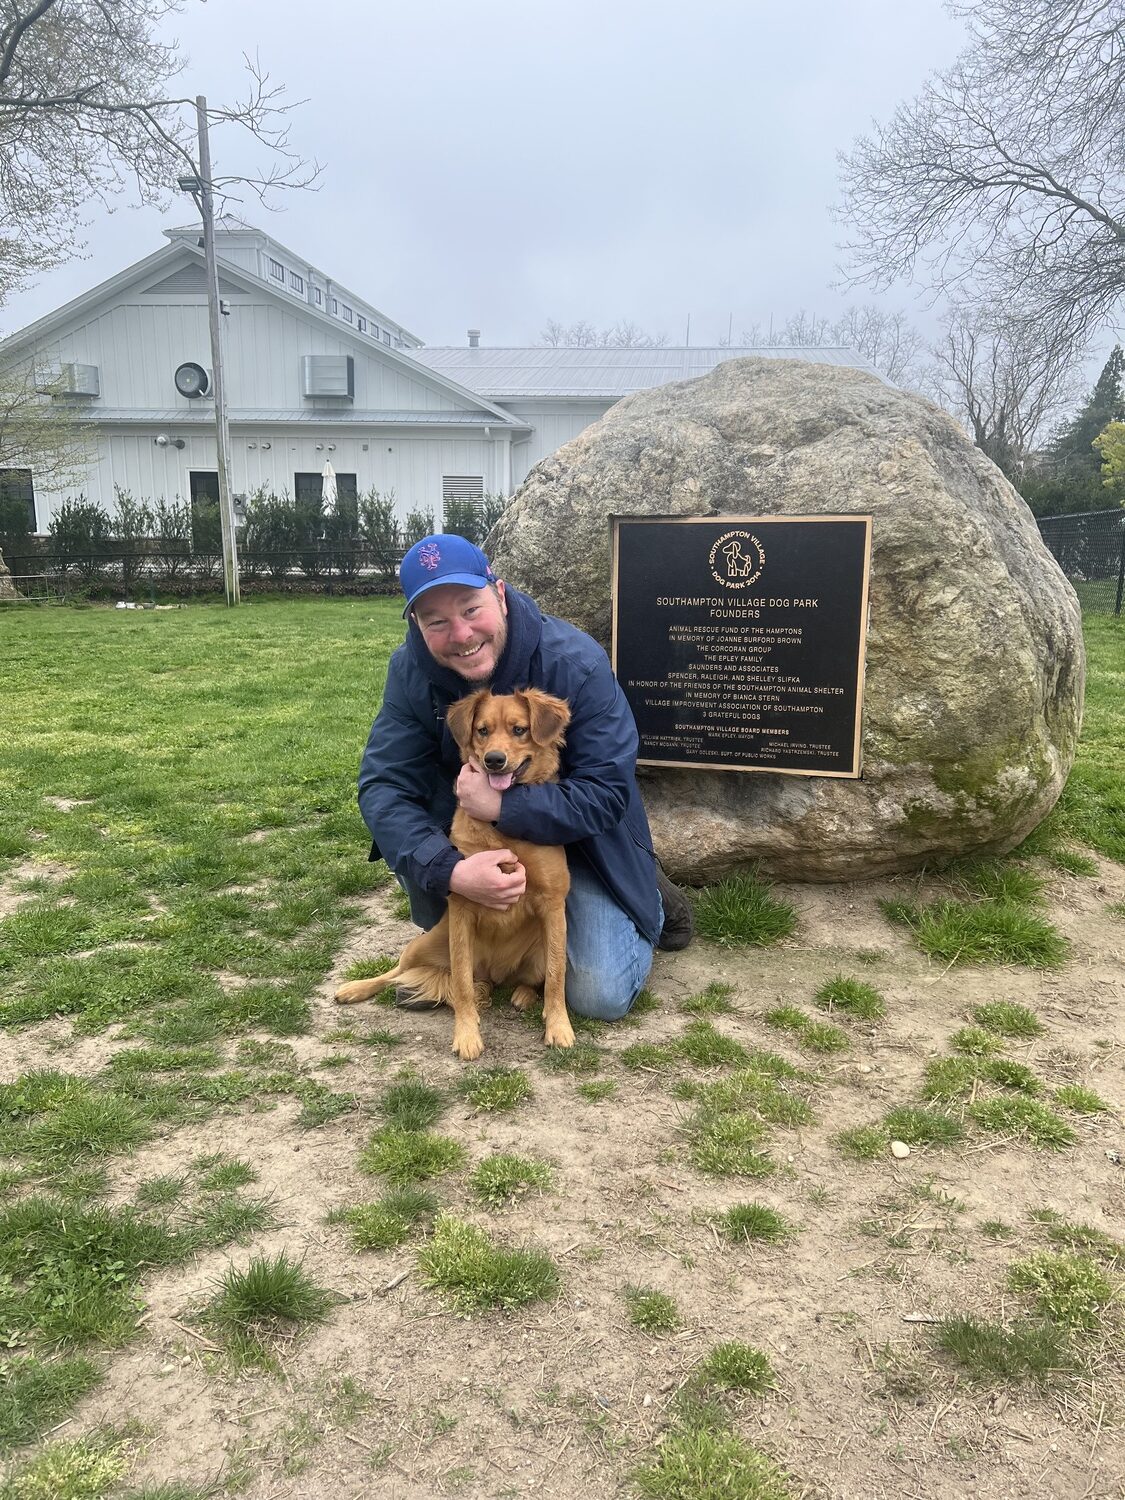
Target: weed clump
(922, 1127)
(981, 932)
(713, 1001)
(409, 1104)
(975, 1041)
(754, 1221)
(1006, 1018)
(406, 1156)
(496, 1089)
(699, 1462)
(741, 911)
(387, 1223)
(462, 1262)
(991, 1352)
(1071, 1290)
(853, 997)
(1082, 1101)
(255, 1310)
(651, 1311)
(863, 1142)
(1025, 1117)
(500, 1180)
(36, 1393)
(737, 1367)
(817, 1036)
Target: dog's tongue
(500, 783)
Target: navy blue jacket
(411, 762)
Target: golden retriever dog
(514, 738)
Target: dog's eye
(482, 732)
(519, 730)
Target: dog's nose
(495, 760)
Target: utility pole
(214, 320)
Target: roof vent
(474, 338)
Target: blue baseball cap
(443, 559)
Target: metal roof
(508, 374)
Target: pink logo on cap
(430, 556)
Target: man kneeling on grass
(468, 630)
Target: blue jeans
(607, 959)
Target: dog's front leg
(467, 1042)
(557, 1030)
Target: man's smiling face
(464, 629)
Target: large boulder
(975, 662)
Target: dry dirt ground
(566, 1398)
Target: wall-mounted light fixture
(331, 447)
(320, 447)
(251, 445)
(266, 447)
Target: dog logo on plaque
(737, 559)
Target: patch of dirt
(68, 804)
(54, 1044)
(565, 1398)
(12, 883)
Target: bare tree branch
(1006, 174)
(888, 339)
(995, 372)
(583, 335)
(86, 114)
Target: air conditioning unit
(70, 380)
(331, 375)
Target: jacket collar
(525, 625)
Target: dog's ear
(460, 715)
(549, 716)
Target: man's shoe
(679, 916)
(404, 1000)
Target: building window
(386, 336)
(307, 489)
(297, 283)
(398, 343)
(318, 296)
(374, 330)
(277, 270)
(348, 314)
(361, 323)
(17, 502)
(334, 308)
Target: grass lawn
(219, 1193)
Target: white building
(313, 373)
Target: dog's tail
(419, 982)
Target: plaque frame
(856, 772)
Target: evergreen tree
(1073, 449)
(1071, 481)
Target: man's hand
(479, 878)
(476, 796)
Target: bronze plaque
(739, 640)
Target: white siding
(553, 423)
(137, 344)
(397, 459)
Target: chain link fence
(1090, 549)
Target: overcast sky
(495, 166)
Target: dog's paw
(561, 1034)
(468, 1043)
(355, 991)
(482, 993)
(524, 997)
